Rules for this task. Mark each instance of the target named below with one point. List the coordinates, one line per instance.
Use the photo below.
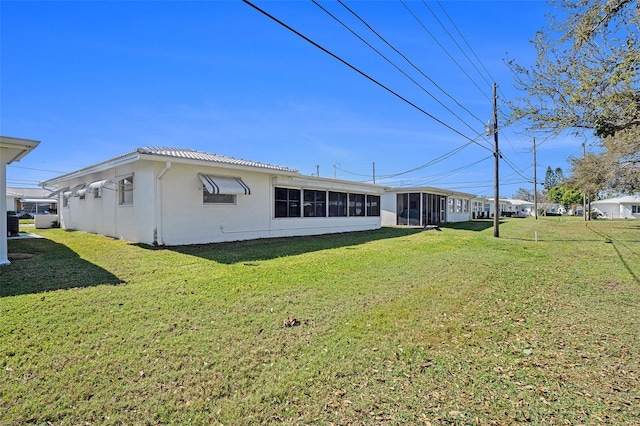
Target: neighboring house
(505, 206)
(30, 201)
(11, 150)
(627, 207)
(422, 206)
(520, 208)
(175, 196)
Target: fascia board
(328, 184)
(96, 168)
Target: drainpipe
(157, 232)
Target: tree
(527, 195)
(586, 79)
(565, 195)
(553, 178)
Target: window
(125, 191)
(458, 205)
(635, 209)
(337, 204)
(373, 205)
(356, 205)
(451, 206)
(465, 206)
(287, 202)
(208, 198)
(315, 203)
(97, 192)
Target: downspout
(157, 231)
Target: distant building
(627, 207)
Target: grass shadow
(472, 225)
(271, 248)
(39, 265)
(614, 243)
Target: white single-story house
(11, 150)
(519, 208)
(30, 200)
(422, 206)
(176, 196)
(627, 207)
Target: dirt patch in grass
(20, 256)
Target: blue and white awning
(224, 185)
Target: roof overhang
(14, 149)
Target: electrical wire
(429, 163)
(389, 60)
(444, 49)
(409, 61)
(362, 73)
(463, 39)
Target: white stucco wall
(616, 210)
(170, 210)
(185, 219)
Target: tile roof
(190, 154)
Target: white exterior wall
(168, 207)
(186, 219)
(11, 203)
(104, 215)
(461, 215)
(389, 208)
(616, 210)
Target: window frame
(371, 210)
(125, 187)
(341, 205)
(288, 202)
(218, 199)
(316, 200)
(353, 200)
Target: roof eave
(96, 168)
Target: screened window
(125, 191)
(458, 205)
(287, 202)
(208, 198)
(635, 209)
(373, 205)
(337, 204)
(465, 206)
(451, 205)
(356, 205)
(315, 203)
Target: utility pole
(374, 172)
(535, 181)
(586, 214)
(496, 161)
(318, 170)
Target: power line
(409, 62)
(38, 170)
(389, 60)
(362, 73)
(465, 41)
(444, 49)
(429, 163)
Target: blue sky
(94, 80)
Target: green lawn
(396, 326)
